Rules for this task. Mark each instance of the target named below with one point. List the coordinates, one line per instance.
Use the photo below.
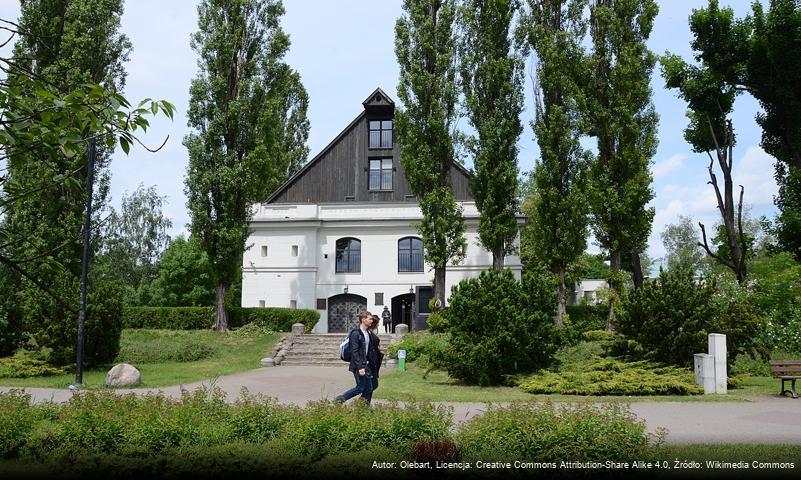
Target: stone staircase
(323, 349)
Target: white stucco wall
(280, 278)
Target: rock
(282, 353)
(123, 375)
(267, 362)
(297, 329)
(277, 361)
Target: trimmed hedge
(196, 318)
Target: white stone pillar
(717, 349)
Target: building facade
(340, 236)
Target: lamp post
(87, 230)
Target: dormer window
(380, 133)
(381, 173)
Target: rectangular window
(264, 250)
(380, 134)
(321, 303)
(293, 304)
(261, 303)
(294, 250)
(379, 298)
(381, 173)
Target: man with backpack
(356, 349)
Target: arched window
(410, 254)
(349, 255)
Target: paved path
(764, 420)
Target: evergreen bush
(53, 327)
(672, 315)
(500, 327)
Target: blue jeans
(364, 385)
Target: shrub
(156, 346)
(194, 318)
(24, 365)
(588, 317)
(499, 326)
(52, 326)
(672, 316)
(16, 422)
(613, 377)
(418, 344)
(544, 432)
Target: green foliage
(438, 320)
(681, 244)
(544, 432)
(614, 377)
(135, 239)
(189, 318)
(558, 215)
(673, 314)
(145, 426)
(786, 227)
(623, 120)
(24, 364)
(161, 346)
(499, 326)
(425, 46)
(52, 327)
(184, 277)
(16, 422)
(431, 346)
(248, 110)
(492, 82)
(587, 317)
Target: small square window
(379, 298)
(294, 250)
(264, 250)
(321, 303)
(293, 304)
(262, 303)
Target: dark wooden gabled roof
(339, 173)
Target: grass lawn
(161, 356)
(438, 387)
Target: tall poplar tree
(558, 226)
(425, 46)
(248, 109)
(492, 81)
(624, 122)
(66, 44)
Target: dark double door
(343, 312)
(412, 309)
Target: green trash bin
(402, 360)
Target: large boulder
(123, 375)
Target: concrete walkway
(764, 420)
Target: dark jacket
(358, 357)
(374, 355)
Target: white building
(340, 235)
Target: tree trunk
(497, 258)
(562, 307)
(636, 269)
(220, 314)
(615, 260)
(439, 286)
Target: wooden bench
(787, 371)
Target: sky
(344, 49)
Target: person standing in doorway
(386, 317)
(359, 344)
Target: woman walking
(374, 354)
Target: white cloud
(669, 165)
(696, 198)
